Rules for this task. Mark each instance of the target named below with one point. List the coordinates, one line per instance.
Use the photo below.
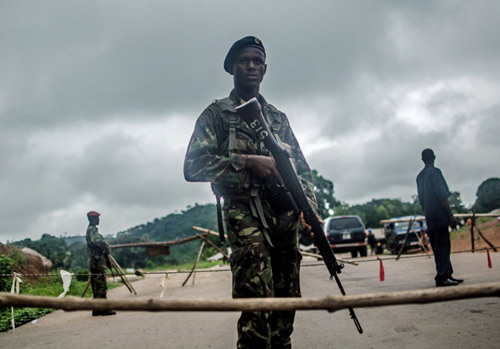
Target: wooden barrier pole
(195, 264)
(205, 238)
(329, 303)
(422, 243)
(472, 222)
(86, 288)
(206, 231)
(406, 237)
(197, 261)
(318, 256)
(489, 243)
(122, 275)
(156, 244)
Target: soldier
(98, 251)
(262, 228)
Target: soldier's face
(249, 68)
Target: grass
(46, 286)
(52, 286)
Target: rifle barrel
(251, 113)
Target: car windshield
(344, 223)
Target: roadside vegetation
(52, 286)
(70, 252)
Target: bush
(5, 268)
(21, 316)
(82, 275)
(47, 286)
(17, 256)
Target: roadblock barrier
(330, 303)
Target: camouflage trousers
(262, 270)
(98, 277)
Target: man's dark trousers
(441, 246)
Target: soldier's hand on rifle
(307, 228)
(264, 167)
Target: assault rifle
(251, 113)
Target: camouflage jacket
(208, 158)
(96, 244)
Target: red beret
(93, 214)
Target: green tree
(79, 256)
(52, 247)
(374, 211)
(488, 196)
(456, 203)
(323, 189)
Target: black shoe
(458, 281)
(103, 313)
(446, 282)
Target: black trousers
(441, 246)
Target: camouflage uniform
(264, 261)
(98, 250)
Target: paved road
(459, 324)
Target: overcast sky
(98, 99)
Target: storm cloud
(98, 99)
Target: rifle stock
(251, 113)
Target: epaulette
(225, 104)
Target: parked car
(395, 233)
(346, 234)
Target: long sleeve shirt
(210, 159)
(432, 190)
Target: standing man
(372, 241)
(98, 251)
(262, 231)
(433, 195)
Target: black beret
(248, 41)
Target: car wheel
(354, 253)
(363, 252)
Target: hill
(171, 227)
(176, 225)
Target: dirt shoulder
(461, 240)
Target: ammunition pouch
(280, 199)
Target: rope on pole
(368, 260)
